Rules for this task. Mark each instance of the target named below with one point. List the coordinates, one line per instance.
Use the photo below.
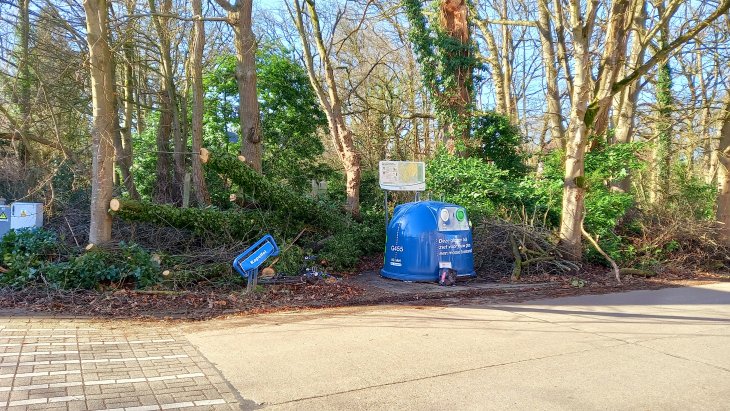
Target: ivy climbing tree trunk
(447, 63)
(329, 99)
(454, 21)
(663, 144)
(104, 119)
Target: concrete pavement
(665, 349)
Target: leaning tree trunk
(614, 55)
(104, 119)
(196, 66)
(341, 134)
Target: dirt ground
(365, 288)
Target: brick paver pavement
(54, 364)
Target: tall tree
(104, 121)
(586, 106)
(723, 197)
(239, 17)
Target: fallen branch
(271, 195)
(637, 272)
(237, 225)
(598, 248)
(517, 269)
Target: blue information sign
(254, 256)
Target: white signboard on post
(402, 175)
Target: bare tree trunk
(128, 105)
(577, 137)
(163, 192)
(248, 109)
(122, 155)
(426, 129)
(330, 101)
(612, 60)
(239, 17)
(24, 80)
(169, 89)
(104, 121)
(723, 197)
(196, 68)
(506, 65)
(496, 69)
(627, 98)
(552, 94)
(708, 144)
(561, 43)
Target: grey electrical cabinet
(26, 215)
(4, 219)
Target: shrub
(344, 249)
(25, 253)
(36, 256)
(471, 182)
(499, 141)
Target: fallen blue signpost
(248, 262)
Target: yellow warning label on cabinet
(3, 216)
(23, 214)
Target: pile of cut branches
(671, 239)
(502, 249)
